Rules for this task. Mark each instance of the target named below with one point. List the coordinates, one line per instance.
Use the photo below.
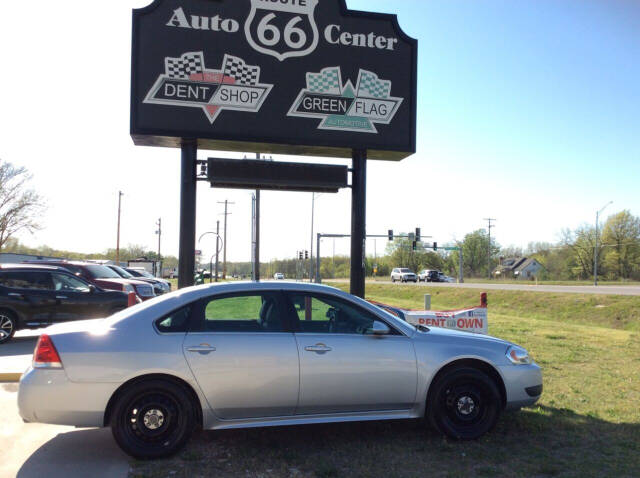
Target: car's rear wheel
(8, 325)
(153, 419)
(464, 404)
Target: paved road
(16, 355)
(33, 450)
(571, 289)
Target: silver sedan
(265, 354)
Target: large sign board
(304, 77)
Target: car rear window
(176, 321)
(101, 272)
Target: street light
(218, 248)
(595, 251)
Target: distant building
(517, 268)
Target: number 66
(289, 31)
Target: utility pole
(159, 233)
(313, 204)
(224, 245)
(217, 248)
(256, 275)
(489, 219)
(595, 251)
(120, 194)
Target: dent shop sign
(304, 77)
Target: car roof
(173, 300)
(34, 267)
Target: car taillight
(45, 355)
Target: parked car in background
(445, 278)
(432, 275)
(33, 296)
(403, 275)
(160, 286)
(105, 278)
(278, 276)
(313, 354)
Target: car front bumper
(48, 396)
(523, 384)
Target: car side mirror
(378, 328)
(92, 289)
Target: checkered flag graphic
(182, 68)
(244, 74)
(370, 86)
(327, 81)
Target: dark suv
(36, 296)
(160, 286)
(105, 278)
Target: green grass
(611, 311)
(587, 423)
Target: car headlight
(128, 288)
(518, 355)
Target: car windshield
(146, 274)
(121, 272)
(405, 270)
(101, 272)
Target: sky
(528, 112)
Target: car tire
(8, 325)
(153, 419)
(464, 404)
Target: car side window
(26, 280)
(176, 321)
(328, 315)
(68, 283)
(254, 312)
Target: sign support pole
(358, 221)
(187, 253)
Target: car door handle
(15, 294)
(202, 349)
(318, 348)
(60, 297)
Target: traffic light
(391, 234)
(418, 234)
(435, 246)
(306, 255)
(415, 244)
(300, 255)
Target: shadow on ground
(18, 346)
(542, 441)
(87, 452)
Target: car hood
(462, 335)
(111, 280)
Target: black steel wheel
(464, 404)
(153, 419)
(8, 325)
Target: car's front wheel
(464, 404)
(153, 419)
(8, 325)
